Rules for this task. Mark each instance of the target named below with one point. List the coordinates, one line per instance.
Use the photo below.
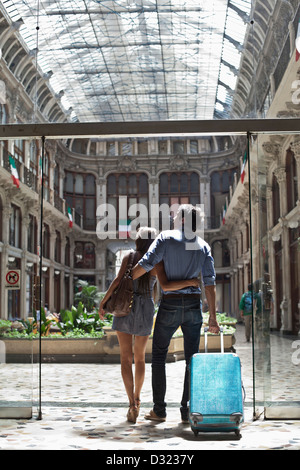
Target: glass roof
(137, 60)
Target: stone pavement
(84, 407)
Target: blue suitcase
(216, 392)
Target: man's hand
(213, 326)
(210, 292)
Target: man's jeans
(172, 313)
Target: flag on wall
(298, 42)
(41, 169)
(224, 213)
(124, 228)
(243, 172)
(70, 217)
(14, 171)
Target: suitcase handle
(221, 336)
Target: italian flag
(224, 213)
(14, 171)
(124, 228)
(298, 43)
(244, 168)
(70, 217)
(41, 170)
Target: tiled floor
(84, 407)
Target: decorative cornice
(179, 162)
(272, 148)
(127, 164)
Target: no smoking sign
(12, 279)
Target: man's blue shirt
(183, 258)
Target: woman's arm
(159, 270)
(113, 286)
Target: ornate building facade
(85, 174)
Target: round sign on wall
(12, 279)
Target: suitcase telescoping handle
(221, 336)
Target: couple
(176, 262)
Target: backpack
(248, 302)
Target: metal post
(40, 278)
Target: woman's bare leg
(126, 353)
(140, 343)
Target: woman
(140, 320)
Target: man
(246, 311)
(184, 256)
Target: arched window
(80, 193)
(56, 180)
(46, 241)
(67, 252)
(57, 252)
(32, 235)
(125, 148)
(130, 189)
(80, 146)
(84, 255)
(179, 188)
(15, 227)
(221, 254)
(219, 188)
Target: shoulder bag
(120, 302)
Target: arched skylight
(139, 60)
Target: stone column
(51, 269)
(205, 195)
(296, 149)
(292, 37)
(280, 174)
(271, 254)
(286, 313)
(52, 166)
(100, 251)
(61, 182)
(23, 268)
(153, 197)
(297, 157)
(236, 293)
(62, 273)
(101, 191)
(272, 272)
(71, 282)
(6, 213)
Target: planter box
(93, 350)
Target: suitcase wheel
(237, 433)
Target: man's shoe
(185, 416)
(153, 416)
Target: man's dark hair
(190, 213)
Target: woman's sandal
(132, 414)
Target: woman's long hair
(144, 238)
